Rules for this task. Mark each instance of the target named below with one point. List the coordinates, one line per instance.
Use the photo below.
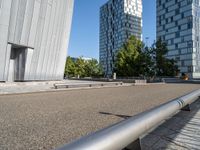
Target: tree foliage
(134, 59)
(93, 68)
(163, 65)
(82, 68)
(70, 67)
(127, 58)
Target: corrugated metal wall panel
(4, 26)
(60, 33)
(65, 38)
(8, 51)
(27, 22)
(45, 65)
(33, 30)
(38, 40)
(20, 21)
(42, 25)
(44, 41)
(13, 19)
(54, 43)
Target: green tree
(146, 64)
(171, 69)
(83, 68)
(163, 65)
(70, 67)
(80, 67)
(130, 60)
(93, 68)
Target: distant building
(34, 37)
(119, 19)
(84, 58)
(178, 24)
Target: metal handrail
(124, 133)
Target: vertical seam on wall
(64, 37)
(42, 41)
(16, 20)
(51, 47)
(45, 52)
(57, 41)
(35, 54)
(23, 22)
(32, 60)
(28, 73)
(30, 22)
(42, 36)
(7, 48)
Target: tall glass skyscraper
(178, 24)
(34, 38)
(119, 19)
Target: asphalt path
(50, 119)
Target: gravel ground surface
(49, 120)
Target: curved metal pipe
(122, 134)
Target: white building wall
(5, 7)
(40, 26)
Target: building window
(190, 69)
(172, 41)
(176, 23)
(182, 39)
(189, 25)
(159, 2)
(189, 2)
(182, 15)
(189, 44)
(177, 11)
(159, 22)
(182, 63)
(177, 35)
(166, 20)
(176, 46)
(172, 19)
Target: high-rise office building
(178, 24)
(34, 38)
(119, 19)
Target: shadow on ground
(117, 115)
(181, 132)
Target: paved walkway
(50, 119)
(181, 132)
(29, 87)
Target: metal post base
(186, 108)
(136, 145)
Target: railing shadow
(181, 132)
(117, 115)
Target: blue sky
(84, 40)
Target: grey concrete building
(178, 25)
(34, 38)
(119, 19)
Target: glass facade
(119, 19)
(178, 25)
